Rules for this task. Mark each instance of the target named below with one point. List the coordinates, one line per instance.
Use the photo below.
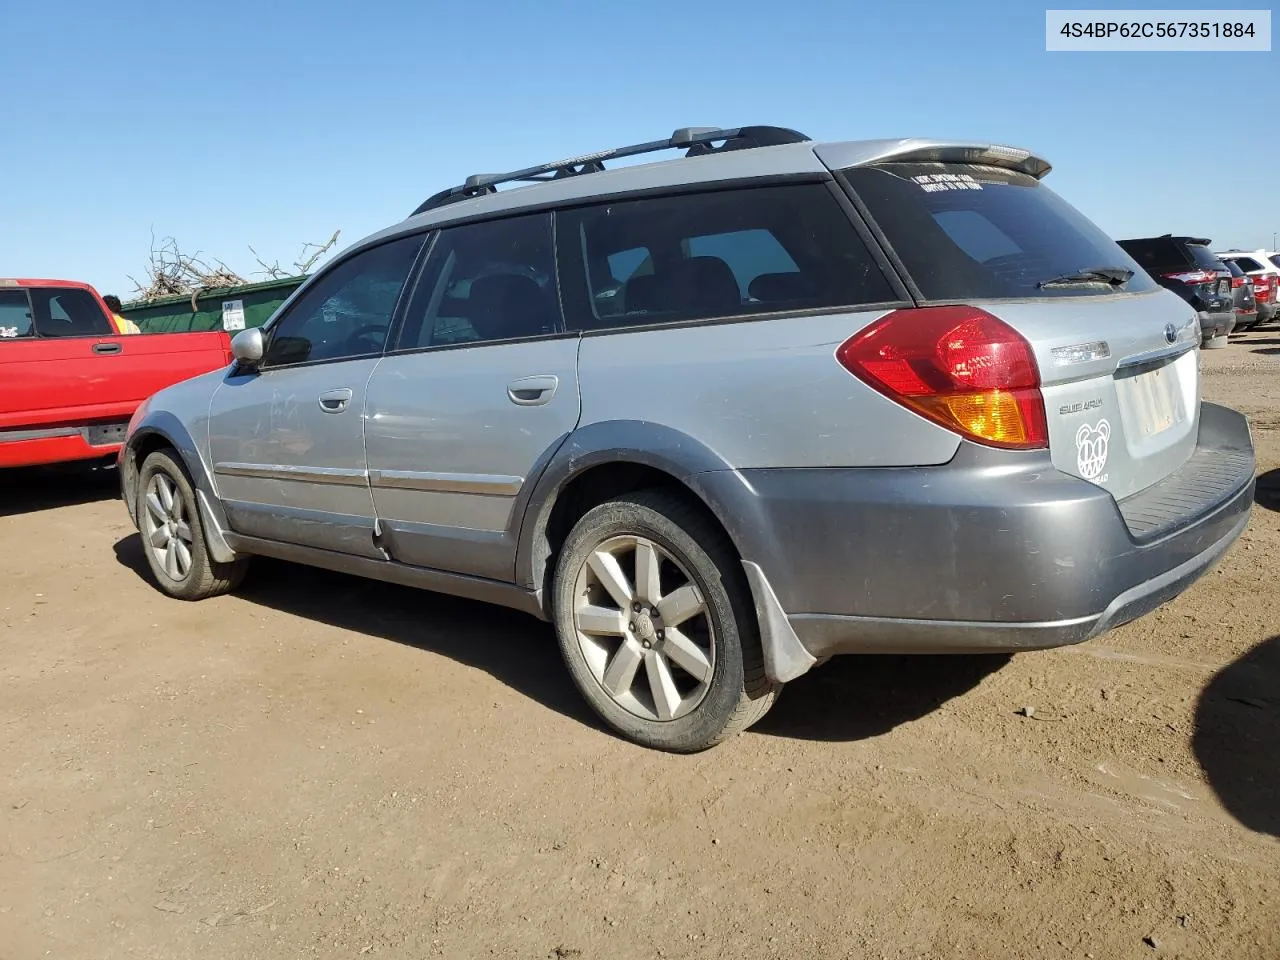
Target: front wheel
(173, 536)
(656, 624)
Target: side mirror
(247, 347)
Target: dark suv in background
(1190, 269)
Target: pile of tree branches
(170, 272)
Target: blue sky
(273, 123)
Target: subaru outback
(718, 418)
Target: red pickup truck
(69, 383)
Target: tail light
(957, 366)
(1193, 276)
(1238, 282)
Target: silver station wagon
(719, 417)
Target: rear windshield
(1204, 257)
(1248, 264)
(1233, 268)
(1158, 253)
(969, 232)
(1275, 259)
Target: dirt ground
(323, 766)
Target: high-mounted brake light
(959, 367)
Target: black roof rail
(695, 141)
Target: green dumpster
(226, 308)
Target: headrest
(508, 305)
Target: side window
(68, 312)
(486, 281)
(719, 254)
(15, 315)
(347, 312)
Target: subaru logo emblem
(1171, 333)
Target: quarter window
(15, 315)
(487, 281)
(347, 312)
(720, 254)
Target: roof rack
(696, 141)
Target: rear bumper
(1216, 324)
(35, 450)
(994, 551)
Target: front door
(286, 441)
(479, 391)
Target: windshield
(967, 232)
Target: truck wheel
(656, 624)
(173, 536)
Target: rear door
(1118, 362)
(479, 392)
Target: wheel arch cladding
(161, 429)
(606, 460)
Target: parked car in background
(878, 396)
(1245, 301)
(1190, 269)
(70, 380)
(1263, 267)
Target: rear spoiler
(922, 150)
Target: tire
(164, 543)
(667, 694)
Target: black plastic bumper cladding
(994, 540)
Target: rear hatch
(1242, 288)
(1117, 354)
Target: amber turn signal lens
(997, 416)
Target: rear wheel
(173, 535)
(656, 624)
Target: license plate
(105, 434)
(1153, 400)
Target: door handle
(531, 391)
(107, 348)
(335, 401)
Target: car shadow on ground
(32, 489)
(1267, 351)
(1266, 490)
(514, 648)
(850, 698)
(856, 697)
(1237, 737)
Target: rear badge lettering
(1092, 449)
(1080, 407)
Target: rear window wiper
(1115, 276)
